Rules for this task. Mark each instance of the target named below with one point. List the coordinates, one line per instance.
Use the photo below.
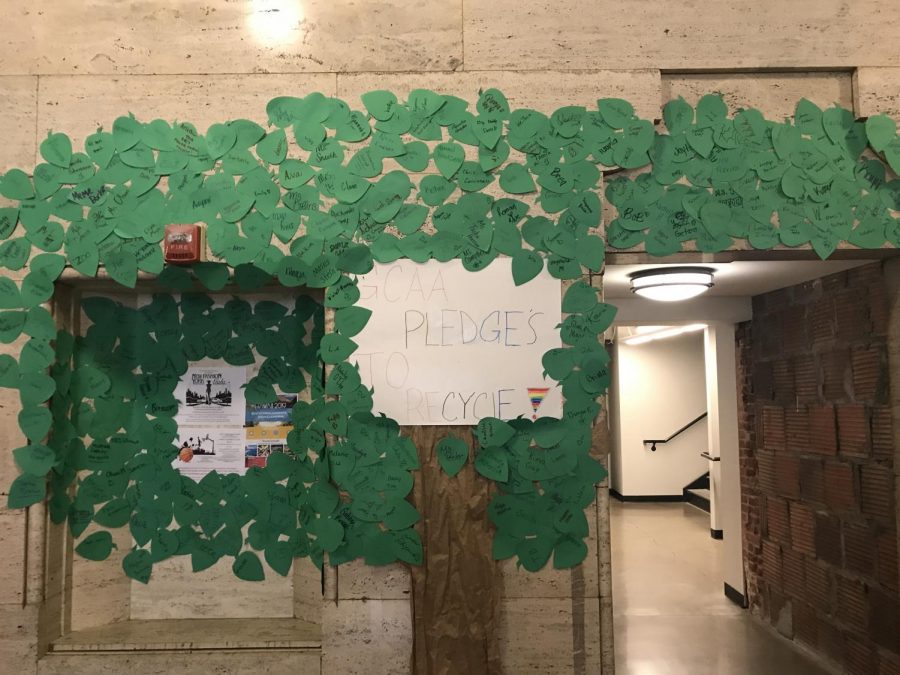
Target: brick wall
(816, 450)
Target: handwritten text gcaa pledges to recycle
(448, 346)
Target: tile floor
(671, 617)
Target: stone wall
(817, 457)
(74, 66)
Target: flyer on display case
(266, 427)
(211, 395)
(201, 450)
(210, 421)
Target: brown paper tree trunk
(457, 590)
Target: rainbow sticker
(537, 394)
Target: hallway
(671, 617)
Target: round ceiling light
(671, 284)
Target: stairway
(696, 493)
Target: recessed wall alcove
(92, 607)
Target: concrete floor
(671, 616)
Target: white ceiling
(740, 278)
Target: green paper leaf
(35, 421)
(35, 388)
(424, 101)
(880, 130)
(35, 459)
(26, 489)
(568, 553)
(16, 185)
(379, 103)
(96, 546)
(591, 252)
(526, 265)
(247, 566)
(711, 110)
(595, 374)
(115, 513)
(122, 267)
(100, 147)
(11, 324)
(258, 392)
(220, 139)
(678, 115)
(492, 432)
(616, 112)
(452, 454)
(280, 556)
(351, 320)
(491, 159)
(558, 362)
(401, 516)
(38, 324)
(407, 546)
(579, 298)
(292, 271)
(493, 102)
(600, 317)
(9, 372)
(515, 179)
(410, 218)
(57, 149)
(8, 219)
(355, 129)
(335, 348)
(273, 148)
(534, 553)
(138, 565)
(344, 378)
(343, 293)
(448, 158)
(433, 190)
(10, 297)
(293, 173)
(329, 534)
(472, 178)
(212, 275)
(415, 158)
(492, 463)
(158, 135)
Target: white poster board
(449, 346)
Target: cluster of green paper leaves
(313, 200)
(113, 432)
(543, 468)
(817, 179)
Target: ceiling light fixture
(275, 23)
(671, 284)
(664, 333)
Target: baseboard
(645, 498)
(735, 596)
(715, 534)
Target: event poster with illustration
(266, 427)
(211, 396)
(210, 419)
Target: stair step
(698, 497)
(700, 482)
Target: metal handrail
(654, 441)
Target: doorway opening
(683, 418)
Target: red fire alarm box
(183, 244)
